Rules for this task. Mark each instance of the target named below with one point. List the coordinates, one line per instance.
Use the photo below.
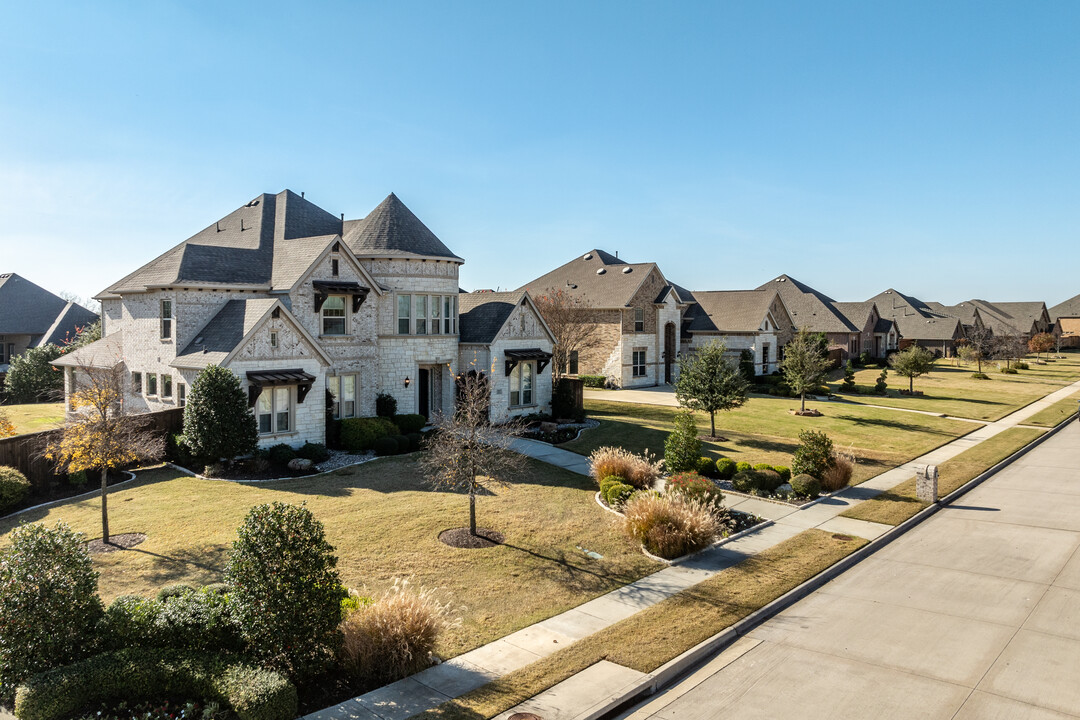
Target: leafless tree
(980, 339)
(466, 452)
(1009, 348)
(99, 434)
(567, 316)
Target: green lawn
(31, 418)
(899, 504)
(1053, 415)
(763, 431)
(384, 523)
(951, 390)
(658, 634)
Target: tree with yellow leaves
(7, 428)
(98, 434)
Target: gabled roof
(29, 309)
(916, 319)
(63, 329)
(810, 309)
(720, 311)
(392, 230)
(856, 313)
(103, 353)
(482, 315)
(1069, 308)
(1005, 318)
(597, 277)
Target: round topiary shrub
(979, 376)
(286, 589)
(615, 494)
(14, 487)
(402, 443)
(386, 446)
(410, 423)
(416, 441)
(281, 454)
(385, 405)
(725, 468)
(785, 472)
(769, 480)
(49, 608)
(315, 452)
(746, 481)
(806, 485)
(743, 466)
(763, 466)
(706, 467)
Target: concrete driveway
(975, 614)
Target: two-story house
(302, 306)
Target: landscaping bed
(561, 433)
(61, 490)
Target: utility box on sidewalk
(926, 484)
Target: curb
(681, 665)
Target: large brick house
(298, 302)
(816, 312)
(919, 323)
(754, 320)
(1022, 319)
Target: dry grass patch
(657, 634)
(1056, 413)
(897, 505)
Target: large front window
(273, 410)
(343, 394)
(639, 363)
(521, 384)
(333, 315)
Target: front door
(669, 351)
(425, 393)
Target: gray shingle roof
(856, 313)
(70, 319)
(1069, 308)
(1008, 318)
(810, 309)
(720, 311)
(916, 319)
(615, 287)
(104, 353)
(481, 315)
(392, 230)
(223, 333)
(29, 309)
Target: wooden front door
(425, 393)
(669, 351)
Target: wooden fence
(24, 451)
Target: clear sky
(927, 146)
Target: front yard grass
(34, 417)
(652, 637)
(1053, 415)
(897, 505)
(384, 523)
(951, 390)
(763, 431)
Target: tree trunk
(911, 384)
(472, 513)
(802, 396)
(712, 422)
(105, 505)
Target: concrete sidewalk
(973, 614)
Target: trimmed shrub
(385, 405)
(1008, 371)
(725, 468)
(880, 385)
(358, 435)
(692, 486)
(131, 621)
(593, 381)
(49, 607)
(315, 452)
(281, 454)
(763, 466)
(393, 637)
(199, 620)
(806, 485)
(769, 480)
(743, 466)
(1020, 365)
(410, 423)
(979, 376)
(386, 446)
(217, 420)
(416, 441)
(839, 472)
(78, 478)
(286, 589)
(706, 466)
(14, 487)
(669, 526)
(682, 448)
(402, 443)
(641, 471)
(785, 472)
(814, 455)
(140, 674)
(178, 450)
(615, 494)
(746, 481)
(174, 590)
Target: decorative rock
(785, 488)
(300, 464)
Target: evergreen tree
(805, 363)
(709, 381)
(911, 363)
(217, 421)
(682, 449)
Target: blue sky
(931, 147)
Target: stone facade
(523, 330)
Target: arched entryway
(669, 352)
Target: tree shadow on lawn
(572, 572)
(166, 569)
(894, 425)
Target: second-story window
(436, 314)
(166, 319)
(333, 315)
(166, 386)
(136, 383)
(448, 312)
(639, 319)
(421, 314)
(404, 313)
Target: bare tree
(567, 316)
(466, 452)
(1008, 348)
(98, 434)
(980, 339)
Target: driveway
(974, 614)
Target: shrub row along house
(315, 312)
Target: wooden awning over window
(326, 288)
(513, 357)
(259, 379)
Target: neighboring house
(311, 311)
(919, 324)
(877, 335)
(31, 316)
(1021, 318)
(754, 320)
(1066, 319)
(635, 316)
(816, 312)
(503, 334)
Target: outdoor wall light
(407, 381)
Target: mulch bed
(462, 538)
(124, 541)
(806, 413)
(61, 489)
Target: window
(421, 314)
(273, 410)
(273, 339)
(166, 319)
(436, 322)
(447, 312)
(572, 363)
(639, 363)
(521, 384)
(639, 319)
(404, 313)
(151, 384)
(334, 267)
(333, 315)
(166, 386)
(765, 358)
(181, 394)
(333, 386)
(136, 383)
(343, 392)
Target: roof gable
(27, 308)
(809, 309)
(599, 278)
(483, 316)
(719, 311)
(392, 230)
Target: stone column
(926, 489)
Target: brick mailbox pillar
(926, 484)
